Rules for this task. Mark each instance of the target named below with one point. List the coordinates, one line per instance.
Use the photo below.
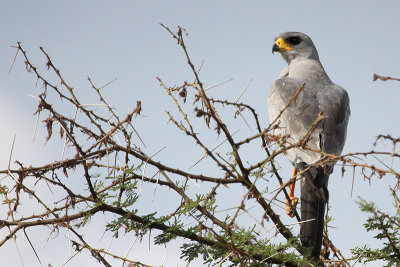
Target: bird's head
(295, 46)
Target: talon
(290, 207)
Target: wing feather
(295, 121)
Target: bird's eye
(294, 40)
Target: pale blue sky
(123, 40)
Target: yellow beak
(281, 46)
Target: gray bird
(320, 94)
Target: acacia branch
(384, 78)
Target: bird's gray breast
(296, 120)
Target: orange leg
(294, 200)
(293, 184)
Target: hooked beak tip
(275, 48)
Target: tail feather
(313, 201)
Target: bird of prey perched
(299, 123)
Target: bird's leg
(293, 200)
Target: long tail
(314, 196)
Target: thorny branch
(384, 78)
(116, 188)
